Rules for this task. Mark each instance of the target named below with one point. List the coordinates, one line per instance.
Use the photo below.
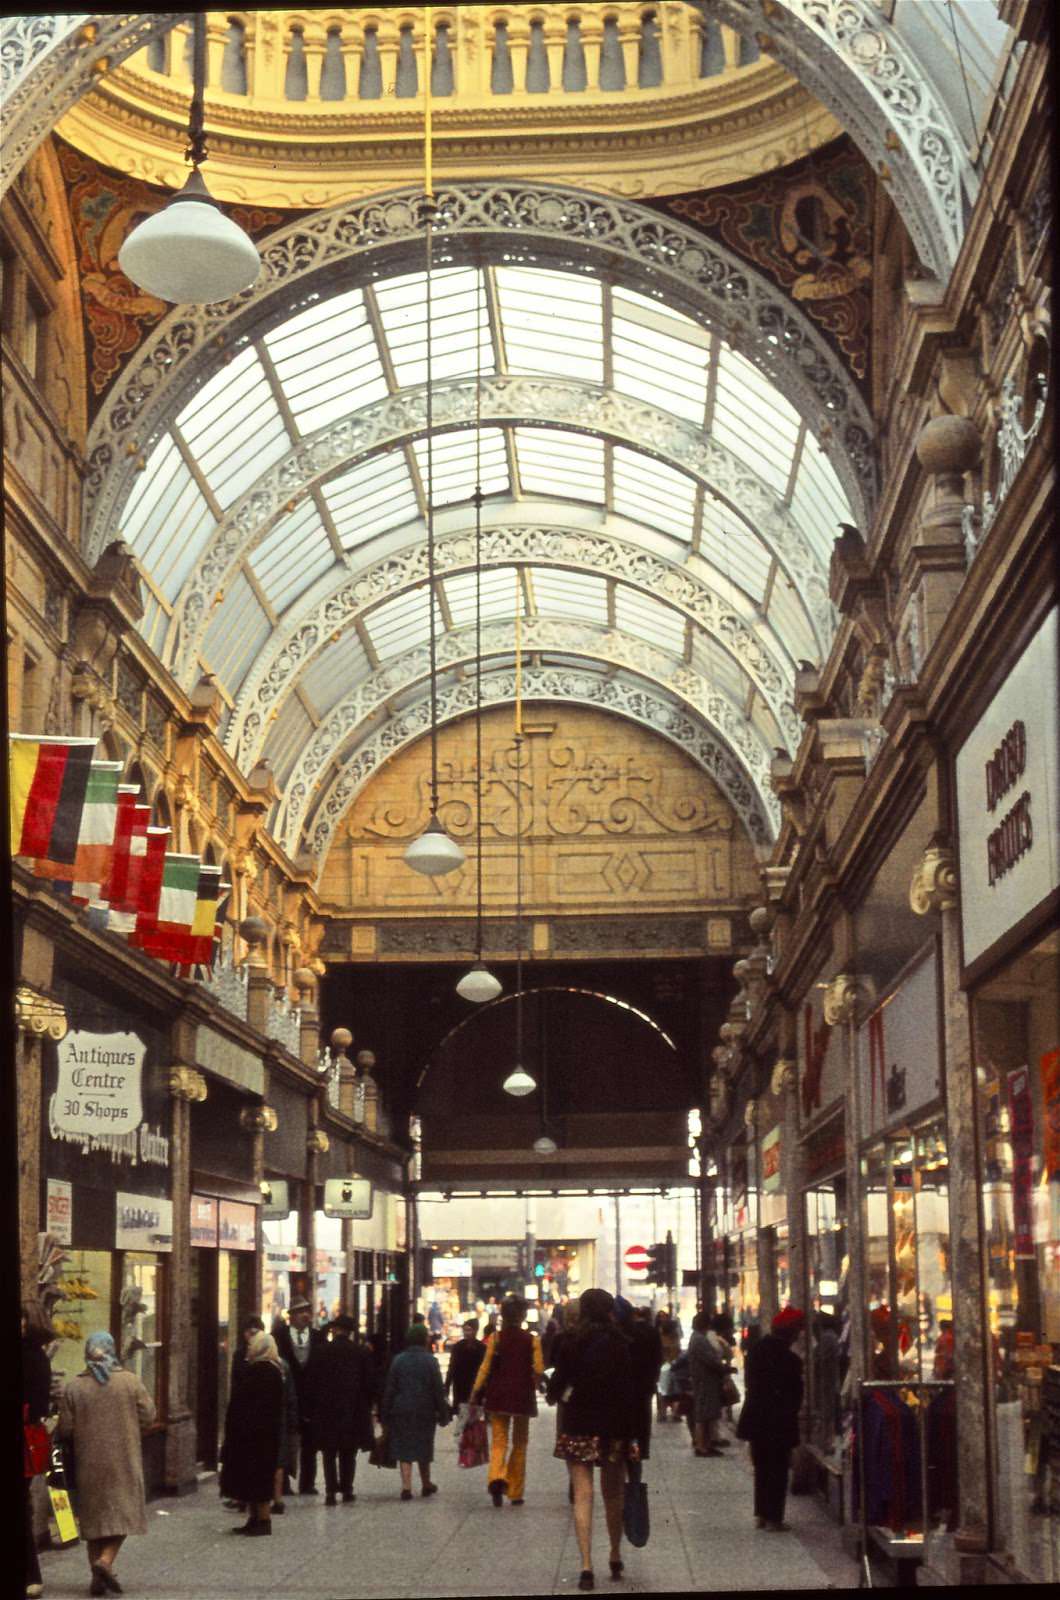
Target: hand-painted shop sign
(237, 1226)
(771, 1161)
(143, 1222)
(204, 1221)
(99, 1088)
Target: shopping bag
(63, 1527)
(730, 1394)
(474, 1443)
(379, 1454)
(36, 1446)
(636, 1522)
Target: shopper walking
(254, 1424)
(413, 1406)
(645, 1354)
(507, 1383)
(342, 1391)
(36, 1405)
(708, 1364)
(287, 1465)
(668, 1393)
(593, 1379)
(464, 1362)
(769, 1419)
(104, 1411)
(300, 1344)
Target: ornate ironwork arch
(348, 719)
(287, 653)
(398, 419)
(479, 221)
(636, 702)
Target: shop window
(140, 1320)
(84, 1307)
(1018, 1092)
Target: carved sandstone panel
(609, 815)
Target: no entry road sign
(637, 1258)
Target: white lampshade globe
(519, 1082)
(434, 852)
(190, 252)
(545, 1146)
(478, 984)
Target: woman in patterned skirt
(593, 1381)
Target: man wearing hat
(300, 1345)
(769, 1419)
(341, 1389)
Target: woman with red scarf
(507, 1384)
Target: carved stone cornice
(39, 1015)
(934, 882)
(187, 1083)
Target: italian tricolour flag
(169, 939)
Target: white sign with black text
(1007, 799)
(99, 1088)
(348, 1197)
(143, 1222)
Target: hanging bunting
(47, 782)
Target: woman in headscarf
(413, 1406)
(254, 1425)
(593, 1378)
(105, 1410)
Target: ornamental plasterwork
(288, 651)
(638, 703)
(398, 419)
(534, 223)
(844, 50)
(347, 719)
(858, 66)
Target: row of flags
(80, 826)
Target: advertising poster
(60, 1218)
(1049, 1066)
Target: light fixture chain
(429, 214)
(478, 594)
(196, 151)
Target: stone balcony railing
(228, 986)
(283, 1022)
(478, 54)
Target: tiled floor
(703, 1538)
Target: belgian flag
(48, 780)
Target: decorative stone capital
(934, 882)
(750, 1113)
(38, 1014)
(187, 1083)
(784, 1076)
(185, 797)
(845, 996)
(318, 1142)
(258, 1119)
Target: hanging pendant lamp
(478, 984)
(544, 1144)
(518, 1082)
(433, 852)
(190, 252)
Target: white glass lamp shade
(434, 852)
(478, 984)
(190, 252)
(545, 1146)
(519, 1082)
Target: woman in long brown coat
(104, 1410)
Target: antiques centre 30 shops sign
(99, 1088)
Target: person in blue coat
(413, 1406)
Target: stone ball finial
(366, 1060)
(341, 1039)
(761, 920)
(949, 444)
(304, 977)
(254, 930)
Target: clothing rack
(908, 1549)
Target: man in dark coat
(464, 1362)
(645, 1354)
(770, 1415)
(340, 1390)
(301, 1345)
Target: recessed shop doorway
(221, 1290)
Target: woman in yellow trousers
(507, 1384)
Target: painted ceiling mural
(810, 227)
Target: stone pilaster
(38, 1017)
(186, 1084)
(259, 984)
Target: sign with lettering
(284, 1258)
(1006, 773)
(899, 1060)
(348, 1197)
(60, 1218)
(143, 1222)
(99, 1088)
(204, 1221)
(275, 1200)
(237, 1226)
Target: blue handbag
(636, 1522)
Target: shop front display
(1007, 799)
(329, 1276)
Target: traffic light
(662, 1263)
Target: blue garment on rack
(892, 1462)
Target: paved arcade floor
(703, 1538)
